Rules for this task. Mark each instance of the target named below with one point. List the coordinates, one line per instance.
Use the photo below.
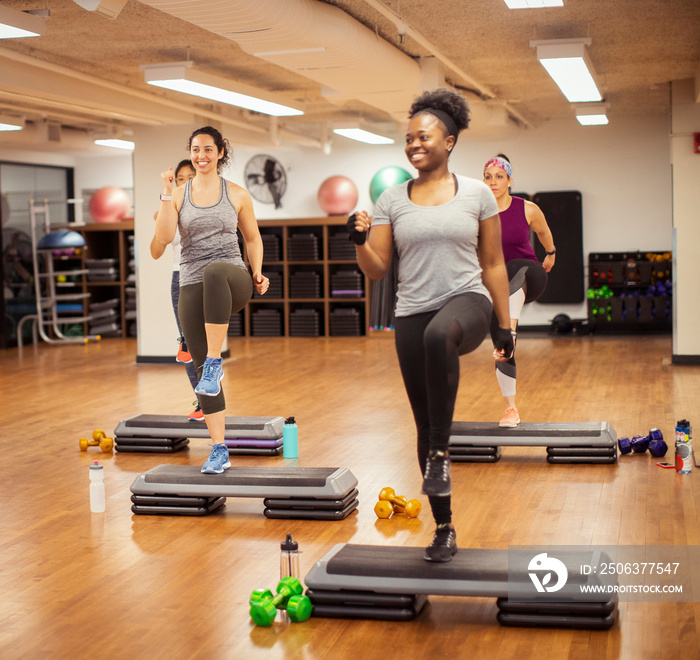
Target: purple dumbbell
(657, 445)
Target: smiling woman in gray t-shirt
(447, 233)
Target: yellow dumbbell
(390, 502)
(99, 439)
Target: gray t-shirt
(208, 235)
(437, 245)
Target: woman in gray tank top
(447, 233)
(214, 280)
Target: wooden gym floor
(80, 585)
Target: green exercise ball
(386, 178)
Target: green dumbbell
(264, 606)
(299, 608)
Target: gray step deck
(402, 570)
(178, 426)
(558, 434)
(188, 480)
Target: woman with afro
(446, 230)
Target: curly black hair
(220, 142)
(450, 102)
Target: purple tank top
(515, 232)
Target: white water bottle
(97, 488)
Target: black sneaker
(444, 544)
(436, 480)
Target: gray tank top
(207, 235)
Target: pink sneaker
(511, 419)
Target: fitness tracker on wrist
(554, 251)
(167, 198)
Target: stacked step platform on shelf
(271, 247)
(392, 583)
(302, 246)
(566, 442)
(267, 323)
(340, 247)
(345, 322)
(347, 284)
(304, 323)
(305, 284)
(104, 318)
(251, 436)
(289, 493)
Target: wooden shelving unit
(331, 239)
(111, 241)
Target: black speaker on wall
(564, 214)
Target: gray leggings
(225, 290)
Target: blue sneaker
(218, 460)
(212, 373)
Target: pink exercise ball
(337, 195)
(109, 204)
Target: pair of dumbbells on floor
(654, 442)
(264, 605)
(99, 439)
(390, 503)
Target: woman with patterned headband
(447, 233)
(526, 276)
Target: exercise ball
(386, 178)
(337, 195)
(109, 204)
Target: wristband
(357, 237)
(554, 251)
(167, 198)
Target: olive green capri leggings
(225, 290)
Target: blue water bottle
(290, 438)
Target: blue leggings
(428, 346)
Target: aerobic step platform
(566, 442)
(385, 582)
(259, 436)
(300, 493)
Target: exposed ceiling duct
(313, 39)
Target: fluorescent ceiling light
(591, 114)
(116, 144)
(10, 123)
(361, 135)
(181, 77)
(592, 120)
(566, 61)
(15, 24)
(533, 4)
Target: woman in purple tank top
(527, 277)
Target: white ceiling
(83, 74)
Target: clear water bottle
(290, 438)
(289, 558)
(684, 447)
(97, 488)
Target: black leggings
(225, 290)
(532, 278)
(428, 346)
(530, 273)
